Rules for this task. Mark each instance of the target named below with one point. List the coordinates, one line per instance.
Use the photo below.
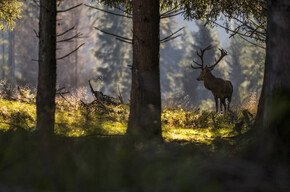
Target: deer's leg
(223, 103)
(216, 104)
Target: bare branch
(172, 15)
(36, 34)
(253, 43)
(66, 10)
(70, 38)
(70, 52)
(164, 39)
(171, 38)
(60, 89)
(170, 11)
(130, 42)
(236, 31)
(66, 31)
(124, 38)
(112, 13)
(36, 3)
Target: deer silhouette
(220, 88)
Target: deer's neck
(209, 81)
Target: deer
(220, 88)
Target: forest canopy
(9, 12)
(205, 9)
(250, 17)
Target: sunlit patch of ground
(14, 113)
(75, 121)
(190, 135)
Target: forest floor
(77, 120)
(203, 151)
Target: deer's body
(220, 88)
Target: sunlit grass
(75, 120)
(14, 113)
(189, 135)
(81, 121)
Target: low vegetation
(75, 118)
(90, 153)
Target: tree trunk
(47, 68)
(145, 110)
(11, 58)
(3, 56)
(76, 61)
(259, 117)
(276, 121)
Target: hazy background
(105, 59)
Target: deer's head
(205, 70)
(203, 74)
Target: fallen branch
(102, 97)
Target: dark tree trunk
(276, 132)
(259, 117)
(145, 110)
(47, 68)
(11, 58)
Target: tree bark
(260, 112)
(11, 58)
(276, 121)
(145, 110)
(3, 56)
(46, 89)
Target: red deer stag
(220, 88)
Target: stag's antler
(200, 55)
(223, 53)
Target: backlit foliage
(251, 15)
(9, 12)
(206, 9)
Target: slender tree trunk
(47, 68)
(11, 58)
(76, 55)
(145, 110)
(3, 56)
(276, 132)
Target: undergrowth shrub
(251, 103)
(78, 115)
